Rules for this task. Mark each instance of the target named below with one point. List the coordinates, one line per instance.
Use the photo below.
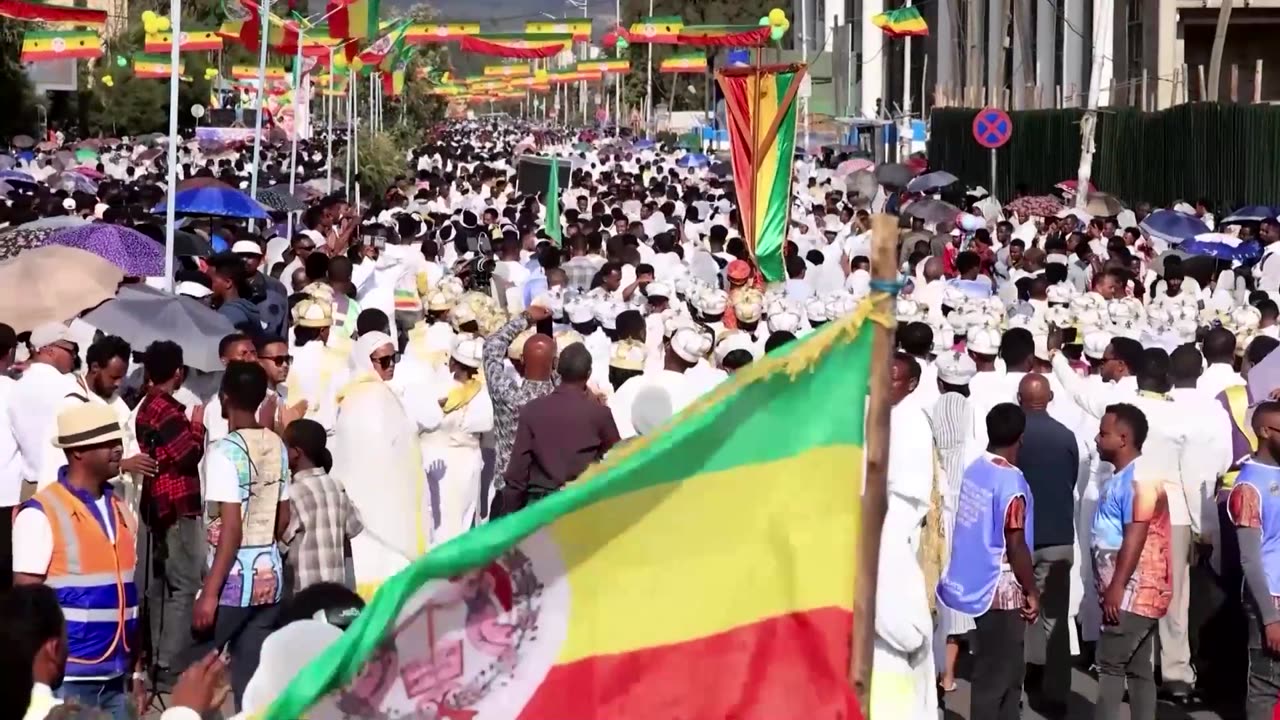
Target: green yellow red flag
(761, 109)
(688, 62)
(154, 66)
(901, 22)
(705, 570)
(353, 18)
(43, 45)
(191, 41)
(664, 30)
(580, 28)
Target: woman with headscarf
(377, 458)
(452, 453)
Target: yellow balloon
(163, 24)
(106, 80)
(150, 26)
(786, 25)
(148, 16)
(777, 16)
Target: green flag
(553, 202)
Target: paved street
(1084, 689)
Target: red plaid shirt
(177, 447)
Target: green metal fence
(1227, 154)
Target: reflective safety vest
(1238, 408)
(93, 579)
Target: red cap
(739, 270)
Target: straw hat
(87, 424)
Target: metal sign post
(992, 128)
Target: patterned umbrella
(18, 240)
(54, 222)
(278, 198)
(1034, 205)
(130, 250)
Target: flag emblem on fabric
(694, 62)
(656, 30)
(154, 66)
(188, 41)
(762, 142)
(692, 547)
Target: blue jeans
(110, 696)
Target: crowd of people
(1083, 439)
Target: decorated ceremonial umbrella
(142, 315)
(53, 284)
(215, 201)
(1035, 205)
(931, 181)
(1251, 213)
(894, 174)
(1221, 246)
(1172, 226)
(931, 210)
(134, 253)
(1071, 185)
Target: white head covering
(284, 654)
(365, 347)
(651, 407)
(467, 350)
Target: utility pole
(1089, 123)
(1215, 55)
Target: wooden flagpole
(875, 496)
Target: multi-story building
(1038, 53)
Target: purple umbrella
(128, 249)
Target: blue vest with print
(977, 542)
(1266, 480)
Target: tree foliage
(380, 161)
(20, 114)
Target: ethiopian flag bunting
(42, 45)
(250, 72)
(656, 30)
(901, 21)
(353, 18)
(154, 66)
(580, 28)
(705, 570)
(762, 146)
(439, 32)
(690, 62)
(191, 41)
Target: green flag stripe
(809, 394)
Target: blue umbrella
(693, 160)
(644, 144)
(217, 201)
(1251, 213)
(1172, 226)
(17, 176)
(1221, 246)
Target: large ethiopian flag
(761, 107)
(703, 571)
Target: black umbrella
(894, 174)
(190, 245)
(721, 169)
(278, 198)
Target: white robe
(453, 461)
(377, 459)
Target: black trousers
(6, 548)
(996, 685)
